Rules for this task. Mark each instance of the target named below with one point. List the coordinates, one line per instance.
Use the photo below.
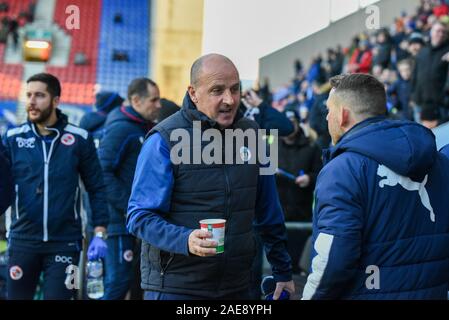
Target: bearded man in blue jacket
(48, 157)
(381, 219)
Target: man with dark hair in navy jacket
(6, 184)
(124, 132)
(48, 157)
(381, 220)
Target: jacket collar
(134, 116)
(334, 151)
(60, 124)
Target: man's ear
(56, 101)
(135, 99)
(192, 93)
(345, 117)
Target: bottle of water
(95, 289)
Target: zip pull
(17, 201)
(162, 273)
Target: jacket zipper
(46, 169)
(45, 219)
(227, 217)
(172, 256)
(76, 201)
(17, 201)
(228, 195)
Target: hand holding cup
(199, 244)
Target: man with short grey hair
(381, 223)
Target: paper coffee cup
(217, 227)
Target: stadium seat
(84, 50)
(129, 37)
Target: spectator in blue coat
(318, 115)
(400, 91)
(381, 220)
(266, 116)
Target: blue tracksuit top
(381, 216)
(47, 173)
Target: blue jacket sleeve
(110, 153)
(92, 177)
(150, 199)
(6, 181)
(269, 223)
(445, 150)
(337, 229)
(269, 118)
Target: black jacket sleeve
(317, 119)
(317, 164)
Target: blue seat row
(131, 36)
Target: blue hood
(405, 147)
(106, 101)
(93, 121)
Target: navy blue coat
(445, 150)
(381, 219)
(93, 122)
(6, 184)
(402, 90)
(46, 177)
(124, 133)
(269, 118)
